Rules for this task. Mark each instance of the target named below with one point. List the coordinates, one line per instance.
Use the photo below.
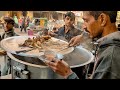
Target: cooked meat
(45, 43)
(47, 37)
(35, 41)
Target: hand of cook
(75, 41)
(59, 66)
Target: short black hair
(112, 15)
(9, 20)
(71, 15)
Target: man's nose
(84, 27)
(69, 21)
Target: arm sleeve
(102, 69)
(72, 76)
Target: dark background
(59, 5)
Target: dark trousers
(23, 26)
(80, 71)
(84, 71)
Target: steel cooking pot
(30, 67)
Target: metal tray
(11, 45)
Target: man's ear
(103, 19)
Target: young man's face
(68, 21)
(92, 25)
(8, 26)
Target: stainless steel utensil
(58, 56)
(42, 58)
(64, 48)
(25, 50)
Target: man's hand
(60, 67)
(52, 34)
(75, 41)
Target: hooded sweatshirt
(107, 65)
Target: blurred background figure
(53, 32)
(23, 25)
(30, 31)
(28, 21)
(43, 32)
(16, 21)
(37, 22)
(20, 21)
(2, 22)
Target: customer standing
(8, 32)
(24, 25)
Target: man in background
(8, 32)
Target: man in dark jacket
(100, 24)
(8, 28)
(8, 32)
(68, 31)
